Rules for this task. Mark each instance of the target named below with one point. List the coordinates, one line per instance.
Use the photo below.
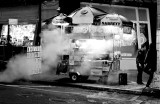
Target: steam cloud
(93, 49)
(22, 67)
(18, 67)
(54, 44)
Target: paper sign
(13, 21)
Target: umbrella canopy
(115, 19)
(85, 15)
(60, 19)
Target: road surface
(51, 94)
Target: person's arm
(138, 61)
(147, 57)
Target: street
(31, 93)
(80, 52)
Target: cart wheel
(74, 77)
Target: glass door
(143, 34)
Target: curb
(144, 92)
(100, 88)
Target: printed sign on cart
(96, 72)
(34, 52)
(129, 45)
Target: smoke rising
(22, 67)
(93, 49)
(53, 45)
(18, 67)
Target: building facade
(144, 26)
(26, 14)
(142, 13)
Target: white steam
(18, 67)
(53, 45)
(22, 67)
(92, 49)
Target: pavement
(93, 83)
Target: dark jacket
(151, 57)
(140, 57)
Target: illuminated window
(20, 34)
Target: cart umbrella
(85, 15)
(60, 19)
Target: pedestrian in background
(140, 61)
(150, 66)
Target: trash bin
(122, 78)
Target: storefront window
(22, 35)
(4, 32)
(143, 33)
(129, 44)
(142, 14)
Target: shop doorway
(144, 36)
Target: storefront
(24, 21)
(21, 25)
(140, 17)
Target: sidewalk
(130, 88)
(92, 83)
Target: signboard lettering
(127, 30)
(111, 23)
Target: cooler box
(123, 79)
